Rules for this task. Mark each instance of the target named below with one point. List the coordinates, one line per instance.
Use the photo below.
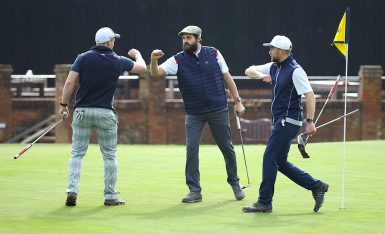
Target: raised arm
(139, 64)
(154, 68)
(254, 73)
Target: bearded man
(202, 75)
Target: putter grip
(333, 90)
(238, 122)
(334, 87)
(22, 151)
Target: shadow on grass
(182, 209)
(72, 213)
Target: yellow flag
(341, 39)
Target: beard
(191, 49)
(275, 60)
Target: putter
(243, 151)
(24, 149)
(301, 139)
(301, 146)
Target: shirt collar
(198, 50)
(284, 61)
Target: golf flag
(341, 42)
(341, 38)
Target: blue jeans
(220, 130)
(275, 159)
(105, 122)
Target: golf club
(243, 151)
(301, 147)
(24, 149)
(301, 139)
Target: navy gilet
(201, 81)
(98, 77)
(285, 100)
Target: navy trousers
(220, 129)
(275, 159)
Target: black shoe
(114, 202)
(71, 199)
(192, 197)
(318, 195)
(238, 192)
(258, 207)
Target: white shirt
(170, 67)
(300, 80)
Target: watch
(309, 120)
(238, 99)
(63, 105)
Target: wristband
(63, 105)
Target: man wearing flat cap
(202, 76)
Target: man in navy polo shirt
(202, 74)
(97, 72)
(289, 82)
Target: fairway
(151, 181)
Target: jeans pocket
(116, 116)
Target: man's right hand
(266, 79)
(156, 54)
(310, 128)
(64, 112)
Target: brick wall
(151, 120)
(132, 123)
(383, 119)
(370, 95)
(5, 102)
(27, 112)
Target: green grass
(151, 180)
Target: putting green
(151, 180)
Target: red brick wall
(132, 123)
(370, 95)
(26, 112)
(383, 119)
(151, 120)
(261, 109)
(133, 128)
(5, 101)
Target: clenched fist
(133, 53)
(157, 54)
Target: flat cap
(191, 30)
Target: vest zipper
(276, 82)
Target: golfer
(97, 72)
(202, 75)
(289, 82)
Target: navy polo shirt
(99, 70)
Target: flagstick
(344, 150)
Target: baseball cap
(191, 30)
(280, 42)
(105, 34)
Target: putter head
(246, 186)
(301, 140)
